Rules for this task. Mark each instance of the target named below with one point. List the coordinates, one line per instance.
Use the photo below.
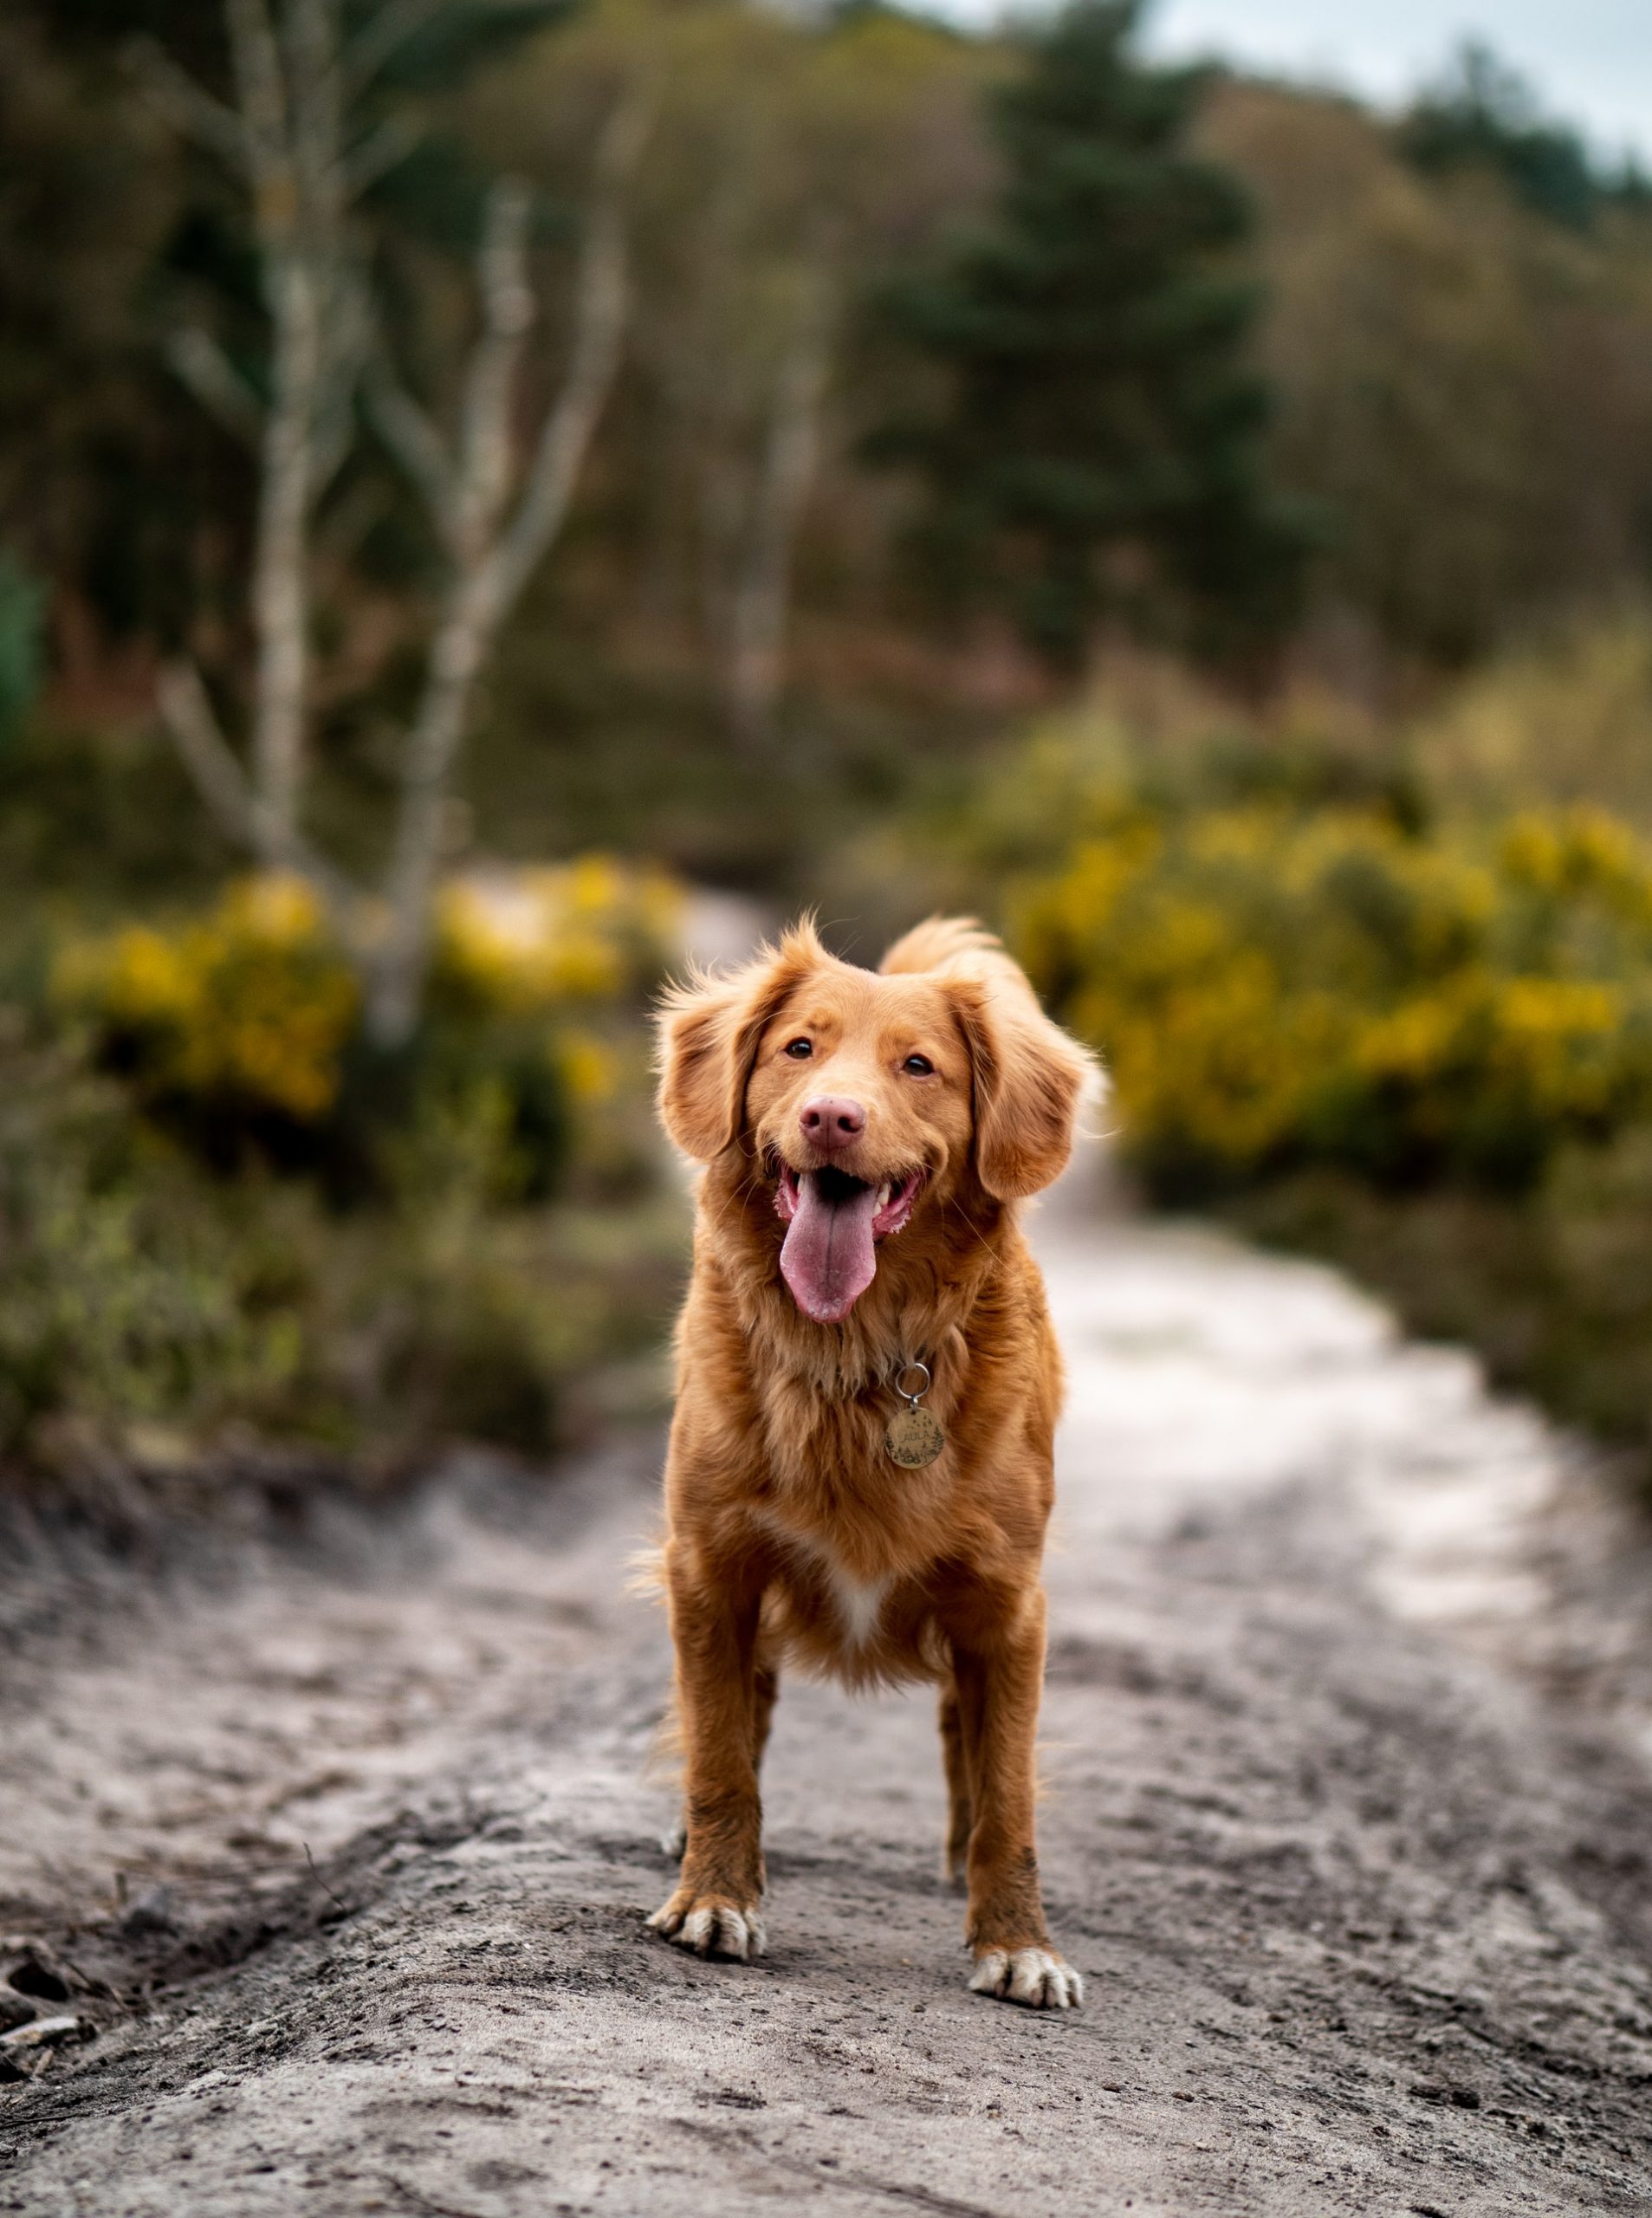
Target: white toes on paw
(713, 1930)
(1034, 1976)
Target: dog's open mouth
(833, 1221)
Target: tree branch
(206, 755)
(310, 34)
(349, 349)
(258, 81)
(370, 158)
(507, 316)
(414, 441)
(375, 46)
(600, 303)
(489, 570)
(762, 586)
(202, 365)
(224, 786)
(190, 109)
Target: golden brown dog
(868, 1136)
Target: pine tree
(1098, 456)
(1484, 116)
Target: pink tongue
(827, 1260)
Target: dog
(859, 1473)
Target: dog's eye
(918, 1066)
(801, 1048)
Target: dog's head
(867, 1099)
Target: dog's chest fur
(855, 1598)
(856, 1537)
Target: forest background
(478, 478)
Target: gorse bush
(1273, 989)
(385, 1254)
(244, 1013)
(533, 940)
(237, 1031)
(1379, 992)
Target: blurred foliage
(23, 600)
(236, 1032)
(241, 1016)
(1461, 386)
(1098, 453)
(97, 820)
(117, 1307)
(1382, 991)
(501, 1233)
(1484, 116)
(1457, 386)
(1272, 990)
(150, 1316)
(1370, 954)
(1562, 718)
(531, 941)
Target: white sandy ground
(1347, 1826)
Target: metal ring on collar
(913, 1397)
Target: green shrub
(123, 1301)
(142, 1302)
(23, 612)
(220, 1214)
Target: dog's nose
(830, 1121)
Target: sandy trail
(1364, 1909)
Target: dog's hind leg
(955, 1757)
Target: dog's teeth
(883, 1195)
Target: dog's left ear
(1030, 1080)
(709, 1032)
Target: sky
(1590, 60)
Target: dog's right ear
(699, 1101)
(709, 1032)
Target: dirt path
(1365, 1913)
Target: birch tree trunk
(297, 143)
(290, 104)
(281, 609)
(761, 598)
(492, 559)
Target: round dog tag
(913, 1438)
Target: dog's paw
(1037, 1977)
(711, 1927)
(674, 1839)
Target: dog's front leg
(716, 1908)
(998, 1685)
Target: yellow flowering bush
(540, 974)
(238, 1025)
(585, 931)
(251, 1004)
(1273, 987)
